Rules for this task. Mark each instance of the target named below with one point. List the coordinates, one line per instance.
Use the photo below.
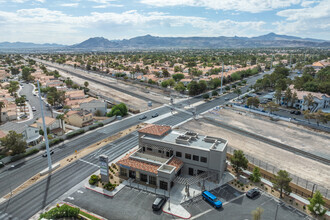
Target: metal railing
(306, 184)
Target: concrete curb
(176, 215)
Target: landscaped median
(68, 211)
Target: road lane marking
(89, 163)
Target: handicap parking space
(224, 193)
(129, 203)
(240, 207)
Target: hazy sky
(72, 21)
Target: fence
(306, 184)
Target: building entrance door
(163, 185)
(191, 171)
(131, 174)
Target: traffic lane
(39, 195)
(246, 205)
(27, 169)
(128, 203)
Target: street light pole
(45, 130)
(221, 79)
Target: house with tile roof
(163, 155)
(79, 118)
(321, 100)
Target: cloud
(312, 21)
(105, 3)
(253, 6)
(69, 4)
(44, 25)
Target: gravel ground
(295, 164)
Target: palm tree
(61, 118)
(2, 105)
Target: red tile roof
(176, 162)
(158, 130)
(135, 164)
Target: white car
(34, 109)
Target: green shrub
(27, 153)
(241, 184)
(109, 186)
(214, 93)
(61, 212)
(206, 96)
(75, 133)
(94, 179)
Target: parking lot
(127, 204)
(237, 206)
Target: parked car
(215, 202)
(297, 113)
(292, 112)
(143, 117)
(34, 109)
(155, 115)
(158, 203)
(226, 99)
(253, 193)
(45, 153)
(34, 94)
(23, 116)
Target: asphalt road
(44, 192)
(33, 101)
(127, 204)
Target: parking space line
(209, 210)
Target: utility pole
(221, 78)
(276, 211)
(45, 130)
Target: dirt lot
(295, 164)
(118, 96)
(297, 136)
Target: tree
(86, 84)
(68, 82)
(294, 98)
(238, 92)
(282, 181)
(14, 142)
(214, 93)
(321, 117)
(287, 96)
(256, 176)
(177, 77)
(239, 161)
(2, 105)
(253, 101)
(165, 72)
(180, 87)
(278, 95)
(206, 96)
(61, 118)
(307, 115)
(316, 204)
(309, 100)
(26, 72)
(271, 107)
(118, 110)
(256, 214)
(193, 88)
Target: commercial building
(164, 154)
